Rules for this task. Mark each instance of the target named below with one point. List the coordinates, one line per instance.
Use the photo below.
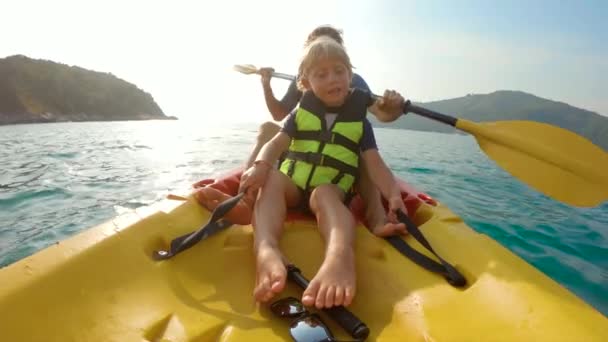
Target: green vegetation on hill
(44, 91)
(508, 105)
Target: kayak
(104, 285)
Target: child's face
(330, 80)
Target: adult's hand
(266, 74)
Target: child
(375, 215)
(324, 140)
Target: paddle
(214, 225)
(550, 159)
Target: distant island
(508, 105)
(33, 91)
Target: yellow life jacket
(320, 155)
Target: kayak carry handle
(214, 225)
(449, 272)
(346, 319)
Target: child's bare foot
(271, 273)
(210, 198)
(335, 282)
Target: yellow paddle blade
(550, 159)
(247, 69)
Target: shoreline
(33, 122)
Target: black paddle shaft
(407, 107)
(346, 319)
(427, 113)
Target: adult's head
(325, 30)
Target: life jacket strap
(320, 159)
(328, 137)
(338, 178)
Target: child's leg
(270, 209)
(267, 131)
(335, 282)
(374, 211)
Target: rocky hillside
(44, 91)
(509, 105)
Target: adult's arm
(280, 109)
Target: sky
(182, 52)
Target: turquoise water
(58, 179)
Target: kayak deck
(103, 285)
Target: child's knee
(325, 190)
(275, 181)
(266, 131)
(324, 193)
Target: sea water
(59, 179)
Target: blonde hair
(321, 47)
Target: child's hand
(254, 177)
(392, 103)
(395, 203)
(266, 74)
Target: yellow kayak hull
(102, 285)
